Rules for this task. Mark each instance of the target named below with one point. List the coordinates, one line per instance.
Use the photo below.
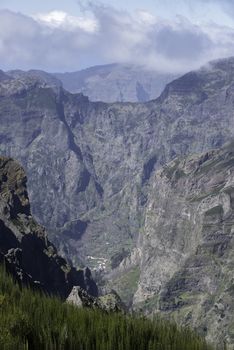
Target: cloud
(64, 21)
(226, 6)
(58, 41)
(220, 2)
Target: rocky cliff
(24, 246)
(116, 83)
(90, 163)
(92, 166)
(187, 244)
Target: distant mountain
(39, 75)
(3, 76)
(116, 83)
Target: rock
(80, 301)
(97, 159)
(92, 167)
(24, 246)
(111, 303)
(108, 303)
(187, 245)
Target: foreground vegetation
(29, 320)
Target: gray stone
(93, 183)
(108, 303)
(24, 246)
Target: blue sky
(164, 35)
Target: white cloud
(59, 41)
(144, 17)
(64, 21)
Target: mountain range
(139, 192)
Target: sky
(67, 35)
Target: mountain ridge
(116, 83)
(93, 165)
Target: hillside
(29, 320)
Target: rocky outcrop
(116, 83)
(24, 246)
(187, 244)
(110, 302)
(39, 75)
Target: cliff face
(187, 244)
(92, 180)
(90, 164)
(24, 246)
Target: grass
(30, 320)
(126, 285)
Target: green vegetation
(30, 320)
(126, 285)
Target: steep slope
(90, 163)
(187, 244)
(116, 83)
(30, 320)
(92, 166)
(24, 246)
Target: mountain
(187, 244)
(24, 247)
(116, 83)
(3, 76)
(92, 166)
(90, 163)
(39, 75)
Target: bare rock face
(108, 303)
(24, 246)
(92, 181)
(74, 297)
(90, 164)
(187, 244)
